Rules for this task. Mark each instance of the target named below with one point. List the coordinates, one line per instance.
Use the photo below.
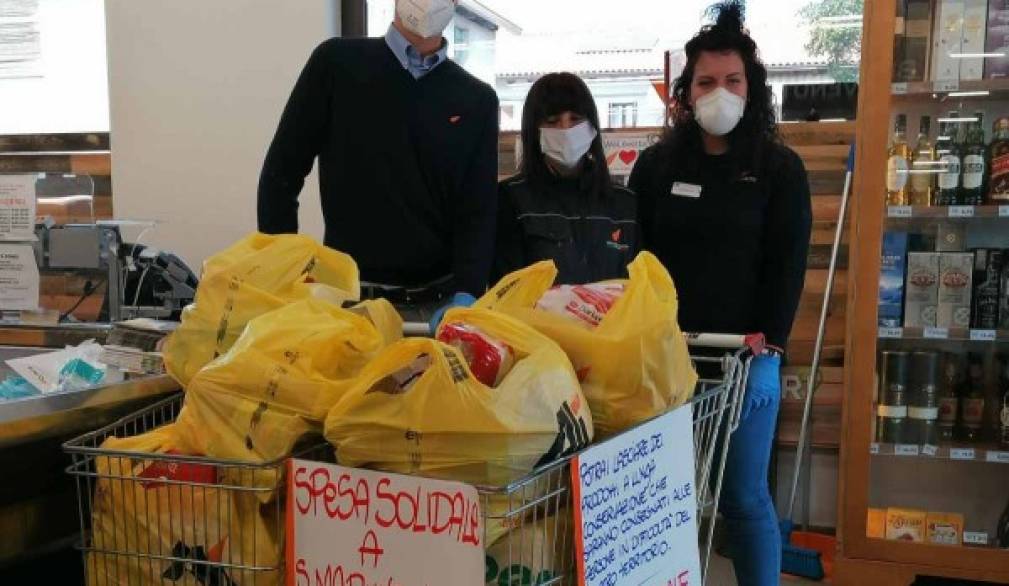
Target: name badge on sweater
(686, 190)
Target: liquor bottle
(949, 399)
(898, 164)
(974, 164)
(998, 184)
(1003, 432)
(972, 404)
(923, 411)
(988, 264)
(923, 167)
(948, 151)
(891, 426)
(1003, 311)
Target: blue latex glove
(763, 387)
(458, 300)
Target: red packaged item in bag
(489, 359)
(585, 304)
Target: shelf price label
(961, 454)
(1003, 211)
(936, 333)
(949, 85)
(874, 449)
(891, 333)
(983, 335)
(961, 211)
(898, 89)
(930, 451)
(900, 211)
(998, 457)
(906, 450)
(975, 538)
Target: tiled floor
(721, 574)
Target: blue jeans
(751, 522)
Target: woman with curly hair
(726, 208)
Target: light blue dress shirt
(412, 60)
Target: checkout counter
(114, 281)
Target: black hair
(758, 129)
(553, 94)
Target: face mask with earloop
(567, 146)
(426, 18)
(719, 112)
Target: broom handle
(818, 347)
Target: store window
(620, 52)
(623, 114)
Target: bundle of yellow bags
(256, 275)
(623, 338)
(179, 522)
(419, 409)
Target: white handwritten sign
(359, 528)
(636, 506)
(19, 278)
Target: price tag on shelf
(936, 333)
(950, 85)
(961, 211)
(930, 451)
(906, 450)
(874, 449)
(982, 335)
(998, 457)
(975, 538)
(961, 454)
(899, 211)
(898, 89)
(1003, 211)
(892, 333)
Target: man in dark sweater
(407, 147)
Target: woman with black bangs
(726, 208)
(563, 206)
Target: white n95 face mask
(719, 111)
(426, 18)
(567, 146)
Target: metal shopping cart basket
(169, 518)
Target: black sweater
(407, 167)
(589, 237)
(738, 252)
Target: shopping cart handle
(755, 342)
(416, 328)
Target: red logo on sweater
(455, 119)
(616, 235)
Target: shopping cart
(164, 518)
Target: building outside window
(623, 114)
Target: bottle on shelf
(923, 167)
(972, 403)
(1003, 312)
(1003, 435)
(988, 268)
(998, 185)
(974, 167)
(923, 412)
(949, 399)
(949, 151)
(892, 410)
(898, 164)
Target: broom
(795, 560)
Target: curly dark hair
(758, 128)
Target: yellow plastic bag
(258, 274)
(152, 510)
(635, 364)
(537, 552)
(280, 379)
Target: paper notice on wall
(19, 278)
(623, 150)
(17, 207)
